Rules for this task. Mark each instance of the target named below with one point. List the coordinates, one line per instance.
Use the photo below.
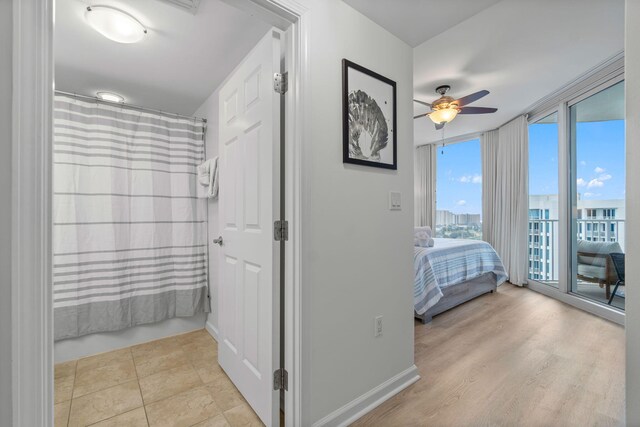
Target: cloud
(598, 169)
(587, 194)
(461, 202)
(595, 183)
(473, 179)
(583, 163)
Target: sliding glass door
(576, 225)
(597, 143)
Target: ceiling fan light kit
(444, 115)
(446, 108)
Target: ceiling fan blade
(420, 115)
(465, 100)
(477, 110)
(422, 102)
(440, 125)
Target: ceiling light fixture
(110, 97)
(115, 24)
(444, 115)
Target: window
(459, 191)
(543, 193)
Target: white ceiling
(179, 63)
(520, 51)
(415, 21)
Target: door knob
(218, 241)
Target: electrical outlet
(377, 331)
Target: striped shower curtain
(129, 234)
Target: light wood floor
(174, 381)
(515, 358)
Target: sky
(600, 159)
(600, 166)
(459, 178)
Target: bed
(452, 272)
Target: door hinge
(281, 231)
(280, 379)
(281, 82)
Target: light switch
(395, 201)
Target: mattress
(450, 262)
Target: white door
(248, 303)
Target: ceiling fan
(446, 108)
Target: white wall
(357, 255)
(6, 28)
(632, 84)
(209, 111)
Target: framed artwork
(368, 117)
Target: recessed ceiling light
(115, 24)
(110, 96)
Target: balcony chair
(595, 264)
(618, 264)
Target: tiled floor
(175, 381)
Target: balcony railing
(544, 244)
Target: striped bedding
(450, 262)
(129, 233)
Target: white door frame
(31, 296)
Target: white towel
(203, 172)
(214, 178)
(208, 179)
(423, 241)
(423, 236)
(425, 229)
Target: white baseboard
(213, 331)
(370, 400)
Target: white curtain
(129, 234)
(489, 149)
(505, 170)
(425, 186)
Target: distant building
(597, 220)
(467, 219)
(543, 237)
(445, 218)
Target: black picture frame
(354, 155)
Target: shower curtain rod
(132, 107)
